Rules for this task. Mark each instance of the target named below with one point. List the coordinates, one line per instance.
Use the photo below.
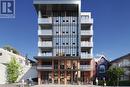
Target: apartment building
(65, 42)
(123, 62)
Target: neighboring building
(123, 62)
(102, 65)
(5, 57)
(65, 42)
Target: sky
(111, 27)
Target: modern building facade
(65, 42)
(123, 62)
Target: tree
(114, 74)
(10, 48)
(13, 70)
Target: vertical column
(91, 39)
(71, 71)
(58, 71)
(78, 68)
(39, 30)
(39, 73)
(52, 71)
(84, 76)
(39, 14)
(65, 62)
(39, 77)
(91, 67)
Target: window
(63, 43)
(56, 20)
(63, 20)
(73, 32)
(42, 52)
(66, 43)
(73, 54)
(67, 32)
(73, 20)
(57, 43)
(102, 69)
(67, 54)
(73, 43)
(0, 54)
(63, 32)
(67, 21)
(57, 32)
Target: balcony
(45, 44)
(86, 44)
(86, 32)
(85, 20)
(40, 67)
(45, 20)
(45, 54)
(89, 21)
(85, 55)
(85, 67)
(45, 32)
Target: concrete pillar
(39, 73)
(58, 71)
(65, 63)
(91, 67)
(39, 14)
(78, 68)
(65, 78)
(39, 77)
(52, 71)
(71, 76)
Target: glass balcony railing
(44, 32)
(45, 54)
(85, 55)
(86, 32)
(45, 20)
(86, 20)
(86, 44)
(45, 44)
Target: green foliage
(13, 70)
(9, 48)
(124, 83)
(100, 82)
(114, 74)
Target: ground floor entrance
(63, 71)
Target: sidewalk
(49, 85)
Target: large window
(102, 69)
